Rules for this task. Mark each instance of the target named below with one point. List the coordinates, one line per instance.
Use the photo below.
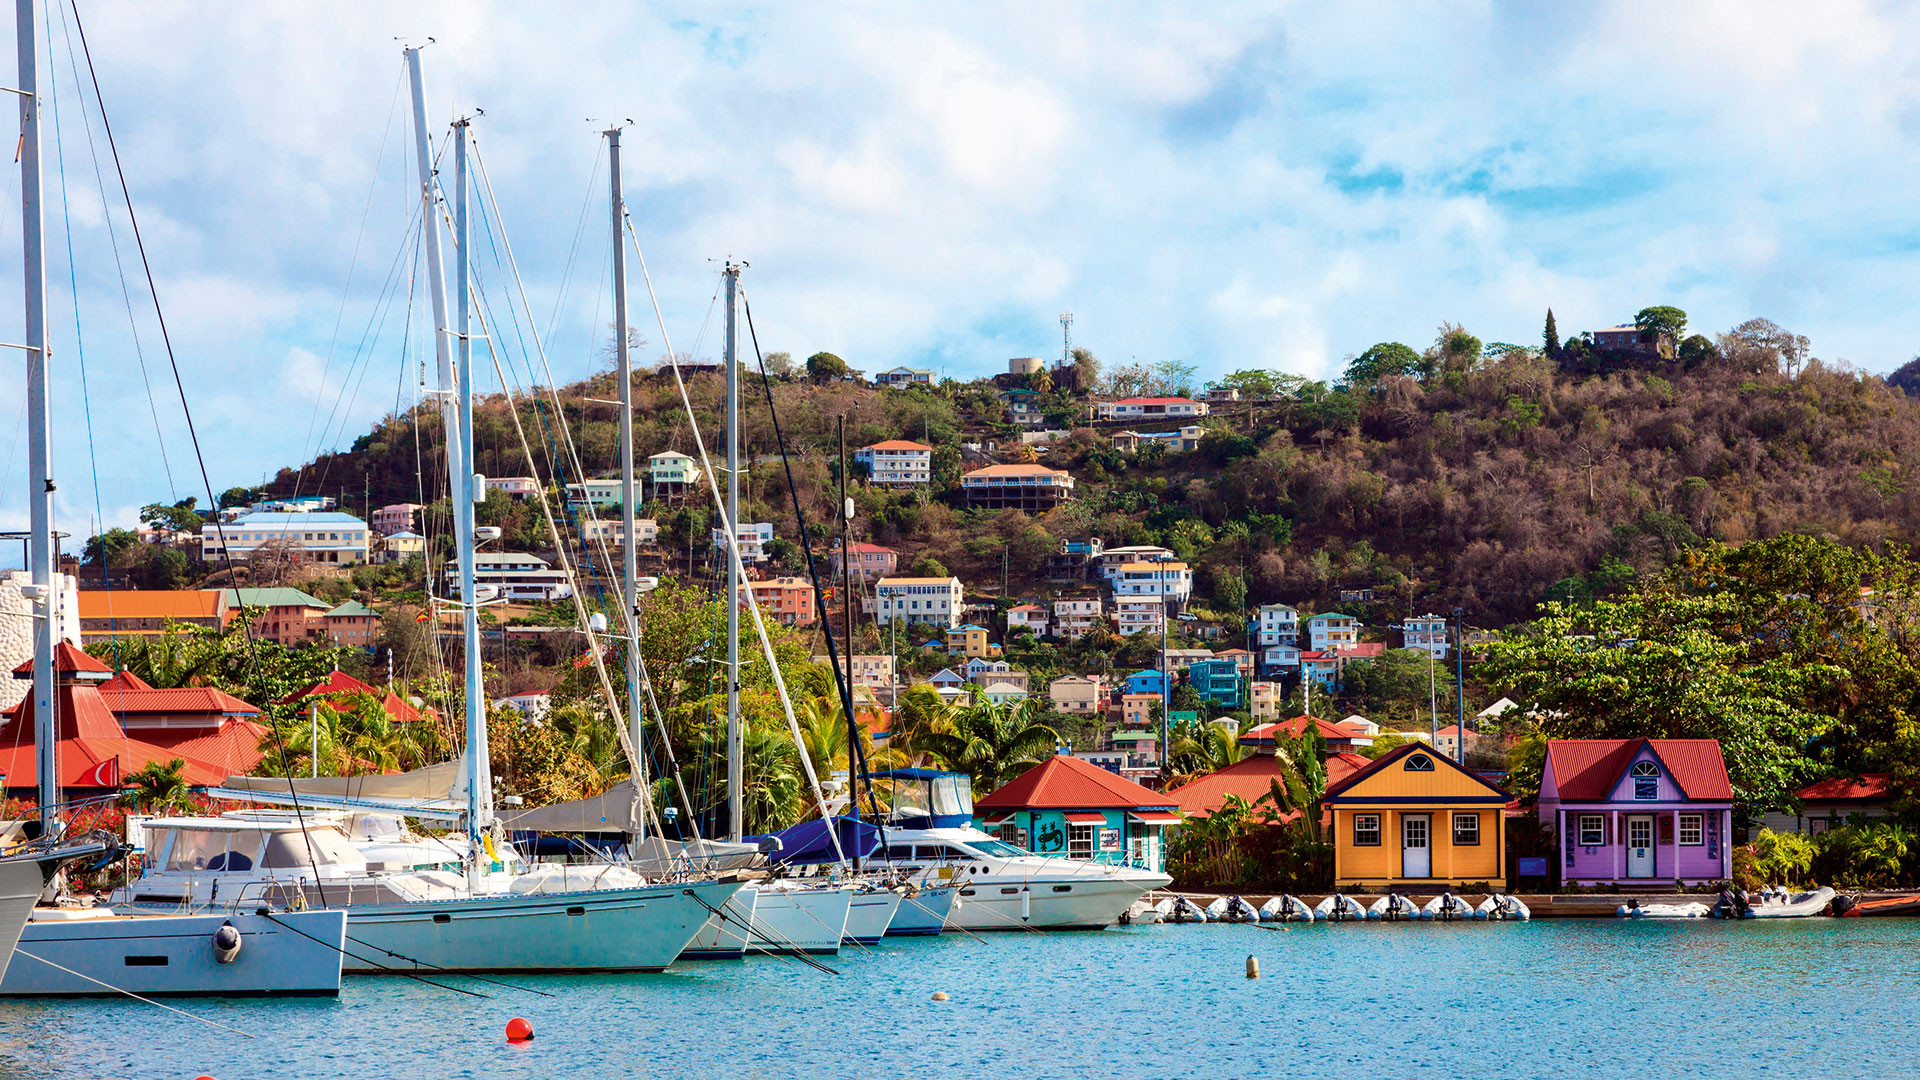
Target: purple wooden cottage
(1638, 810)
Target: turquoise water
(1562, 999)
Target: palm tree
(1201, 749)
(158, 788)
(991, 742)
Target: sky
(1225, 185)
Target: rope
(137, 997)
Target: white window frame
(1582, 832)
(1375, 820)
(1699, 823)
(1464, 816)
(1081, 840)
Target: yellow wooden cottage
(1415, 818)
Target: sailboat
(494, 914)
(65, 948)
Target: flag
(424, 615)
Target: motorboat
(1233, 909)
(1287, 908)
(1338, 908)
(929, 840)
(1186, 911)
(1393, 908)
(539, 917)
(1163, 909)
(1447, 908)
(1140, 913)
(74, 951)
(1502, 907)
(923, 910)
(1634, 909)
(1773, 902)
(1888, 905)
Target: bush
(1783, 858)
(1745, 874)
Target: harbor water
(1552, 998)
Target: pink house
(1638, 809)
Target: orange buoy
(203, 1077)
(518, 1030)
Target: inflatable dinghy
(1446, 907)
(1339, 908)
(1288, 908)
(1394, 908)
(1502, 907)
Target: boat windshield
(217, 850)
(952, 795)
(292, 849)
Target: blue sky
(1231, 186)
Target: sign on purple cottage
(1533, 867)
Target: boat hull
(20, 883)
(724, 936)
(603, 930)
(924, 913)
(288, 953)
(868, 916)
(1063, 904)
(809, 921)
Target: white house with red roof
(1151, 408)
(1831, 803)
(1029, 617)
(1070, 807)
(896, 461)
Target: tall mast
(456, 408)
(736, 773)
(629, 558)
(40, 552)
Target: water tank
(1024, 365)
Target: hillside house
(287, 616)
(1170, 581)
(1428, 633)
(751, 538)
(1217, 681)
(1264, 700)
(1075, 616)
(870, 561)
(1078, 695)
(1029, 617)
(672, 474)
(1280, 658)
(513, 575)
(789, 601)
(1138, 616)
(1831, 803)
(517, 488)
(896, 462)
(395, 517)
(399, 547)
(602, 494)
(613, 531)
(970, 640)
(304, 536)
(902, 377)
(1327, 632)
(1276, 624)
(1151, 408)
(937, 601)
(1630, 339)
(1071, 561)
(1033, 488)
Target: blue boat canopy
(808, 843)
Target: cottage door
(1416, 857)
(1640, 845)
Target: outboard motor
(1842, 905)
(226, 943)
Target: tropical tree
(991, 742)
(158, 787)
(1199, 749)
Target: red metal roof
(93, 751)
(342, 683)
(1295, 728)
(214, 704)
(1066, 782)
(1587, 770)
(1251, 778)
(1865, 787)
(66, 660)
(1155, 401)
(233, 750)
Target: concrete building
(900, 377)
(122, 614)
(1029, 617)
(395, 517)
(1329, 632)
(1276, 624)
(517, 488)
(919, 600)
(896, 461)
(752, 539)
(1151, 408)
(1264, 700)
(611, 530)
(787, 600)
(1078, 695)
(309, 536)
(1171, 582)
(1017, 487)
(286, 616)
(598, 494)
(873, 672)
(870, 561)
(1107, 563)
(514, 575)
(1137, 615)
(1075, 616)
(970, 640)
(1428, 633)
(672, 472)
(399, 547)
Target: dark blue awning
(808, 842)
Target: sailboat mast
(467, 493)
(736, 773)
(629, 557)
(40, 551)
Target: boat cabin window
(214, 850)
(291, 849)
(1646, 780)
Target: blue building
(1216, 681)
(1145, 681)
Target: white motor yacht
(542, 917)
(930, 840)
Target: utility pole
(1460, 683)
(629, 557)
(40, 542)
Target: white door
(1640, 845)
(1416, 855)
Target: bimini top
(808, 843)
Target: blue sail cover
(807, 843)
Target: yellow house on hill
(1414, 818)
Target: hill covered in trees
(1491, 477)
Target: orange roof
(1295, 728)
(92, 750)
(342, 683)
(1064, 781)
(150, 604)
(898, 444)
(1016, 470)
(205, 700)
(1251, 778)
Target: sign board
(1109, 839)
(1533, 867)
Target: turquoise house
(1217, 682)
(1075, 809)
(1144, 681)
